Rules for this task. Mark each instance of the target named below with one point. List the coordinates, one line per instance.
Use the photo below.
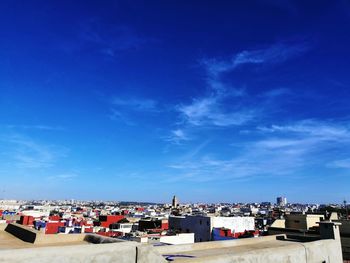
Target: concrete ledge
(123, 252)
(97, 239)
(265, 249)
(38, 238)
(214, 245)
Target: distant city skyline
(214, 101)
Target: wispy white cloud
(196, 150)
(135, 104)
(213, 109)
(253, 161)
(63, 177)
(274, 54)
(344, 163)
(198, 109)
(287, 150)
(177, 136)
(207, 111)
(123, 109)
(320, 129)
(26, 153)
(117, 115)
(35, 127)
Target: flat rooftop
(208, 251)
(265, 249)
(261, 249)
(8, 241)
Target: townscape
(146, 222)
(174, 223)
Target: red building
(110, 219)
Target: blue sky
(209, 100)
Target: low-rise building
(202, 226)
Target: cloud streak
(284, 150)
(177, 136)
(222, 106)
(344, 164)
(208, 111)
(123, 109)
(36, 127)
(321, 130)
(274, 54)
(63, 177)
(135, 104)
(28, 154)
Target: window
(200, 222)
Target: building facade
(202, 226)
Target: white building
(122, 227)
(202, 226)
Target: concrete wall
(263, 249)
(312, 220)
(38, 238)
(344, 227)
(125, 252)
(345, 237)
(281, 223)
(42, 239)
(3, 225)
(299, 221)
(213, 245)
(258, 250)
(345, 243)
(199, 225)
(33, 236)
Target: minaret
(175, 202)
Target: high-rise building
(175, 202)
(281, 201)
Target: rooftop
(8, 241)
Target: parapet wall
(123, 252)
(38, 238)
(214, 244)
(263, 249)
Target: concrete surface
(265, 249)
(22, 237)
(124, 252)
(262, 249)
